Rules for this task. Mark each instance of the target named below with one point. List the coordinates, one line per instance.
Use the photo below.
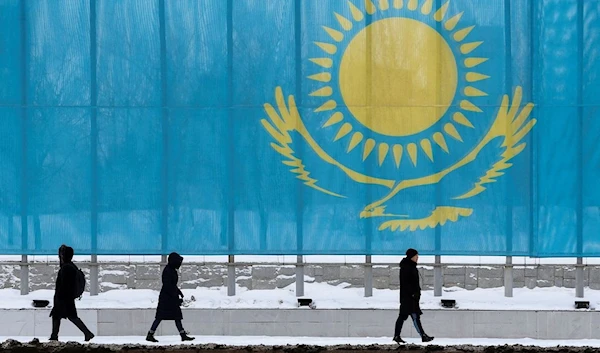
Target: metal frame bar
(94, 288)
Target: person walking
(170, 299)
(410, 294)
(65, 294)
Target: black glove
(180, 301)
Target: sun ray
(329, 105)
(452, 22)
(383, 151)
(334, 119)
(397, 151)
(427, 7)
(356, 13)
(472, 62)
(439, 139)
(426, 147)
(470, 91)
(327, 47)
(322, 62)
(344, 22)
(441, 13)
(451, 130)
(354, 141)
(370, 7)
(398, 4)
(384, 5)
(475, 76)
(467, 105)
(469, 47)
(322, 92)
(321, 77)
(412, 4)
(369, 146)
(460, 35)
(343, 131)
(462, 119)
(334, 34)
(412, 153)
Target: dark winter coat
(410, 290)
(169, 301)
(66, 287)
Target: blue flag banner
(457, 127)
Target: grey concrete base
(317, 323)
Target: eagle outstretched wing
(280, 131)
(515, 128)
(285, 120)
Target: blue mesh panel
(300, 127)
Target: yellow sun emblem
(400, 78)
(374, 87)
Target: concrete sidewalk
(307, 322)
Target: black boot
(426, 338)
(185, 337)
(55, 328)
(398, 340)
(88, 335)
(150, 337)
(398, 329)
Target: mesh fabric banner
(464, 127)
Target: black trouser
(416, 318)
(157, 322)
(75, 320)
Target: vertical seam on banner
(230, 140)
(437, 231)
(300, 149)
(369, 100)
(508, 90)
(534, 147)
(93, 129)
(24, 112)
(580, 40)
(165, 131)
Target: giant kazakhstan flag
(462, 127)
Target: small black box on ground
(40, 303)
(448, 303)
(304, 301)
(582, 305)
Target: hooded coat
(169, 299)
(410, 289)
(66, 283)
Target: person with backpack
(170, 299)
(69, 283)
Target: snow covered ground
(322, 341)
(325, 296)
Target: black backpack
(79, 283)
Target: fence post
(231, 275)
(437, 276)
(94, 275)
(508, 277)
(24, 275)
(368, 277)
(300, 276)
(579, 282)
(163, 262)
